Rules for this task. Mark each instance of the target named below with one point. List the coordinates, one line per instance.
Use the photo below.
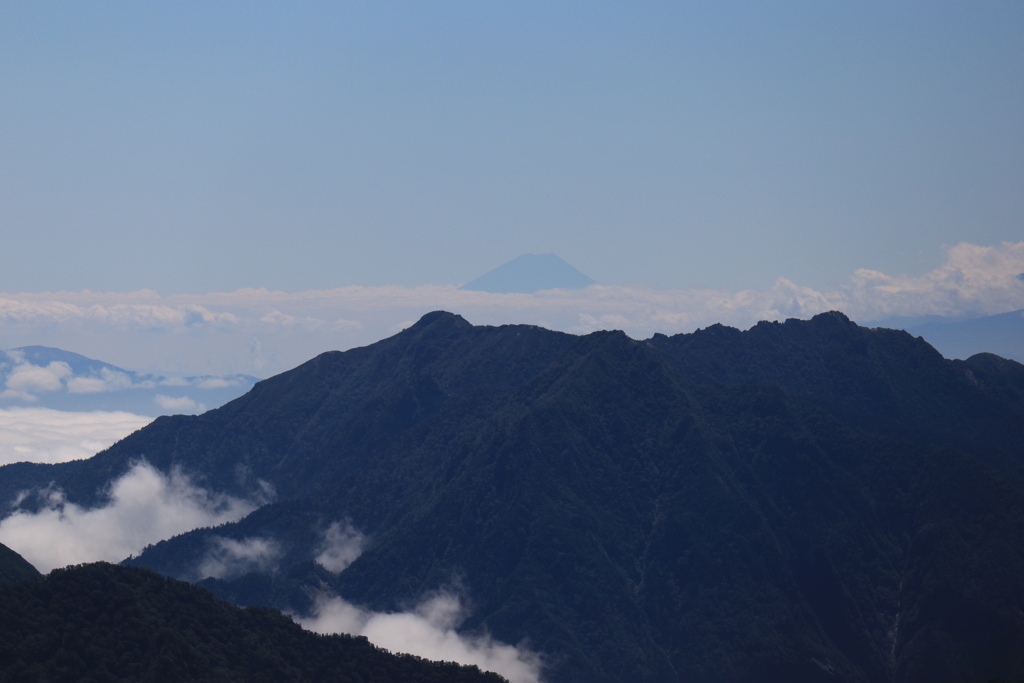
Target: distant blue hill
(530, 273)
(79, 364)
(1001, 334)
(46, 377)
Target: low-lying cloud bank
(51, 436)
(263, 332)
(25, 380)
(59, 379)
(429, 630)
(144, 506)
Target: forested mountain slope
(802, 501)
(101, 622)
(345, 404)
(14, 568)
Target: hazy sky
(192, 147)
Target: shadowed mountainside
(809, 500)
(958, 338)
(14, 567)
(101, 622)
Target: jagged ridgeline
(101, 622)
(803, 501)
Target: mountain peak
(530, 273)
(440, 319)
(833, 317)
(440, 315)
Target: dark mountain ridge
(804, 501)
(959, 337)
(882, 380)
(345, 403)
(14, 567)
(101, 622)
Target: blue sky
(197, 147)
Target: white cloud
(217, 383)
(973, 280)
(428, 631)
(86, 385)
(108, 380)
(111, 309)
(14, 355)
(228, 558)
(342, 544)
(50, 436)
(308, 322)
(12, 395)
(144, 506)
(278, 318)
(28, 378)
(179, 404)
(25, 378)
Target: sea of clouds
(50, 436)
(264, 332)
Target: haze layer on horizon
(190, 148)
(262, 332)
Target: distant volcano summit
(530, 273)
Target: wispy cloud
(342, 545)
(107, 380)
(178, 404)
(217, 382)
(111, 309)
(29, 378)
(51, 436)
(143, 506)
(24, 381)
(429, 630)
(260, 331)
(227, 557)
